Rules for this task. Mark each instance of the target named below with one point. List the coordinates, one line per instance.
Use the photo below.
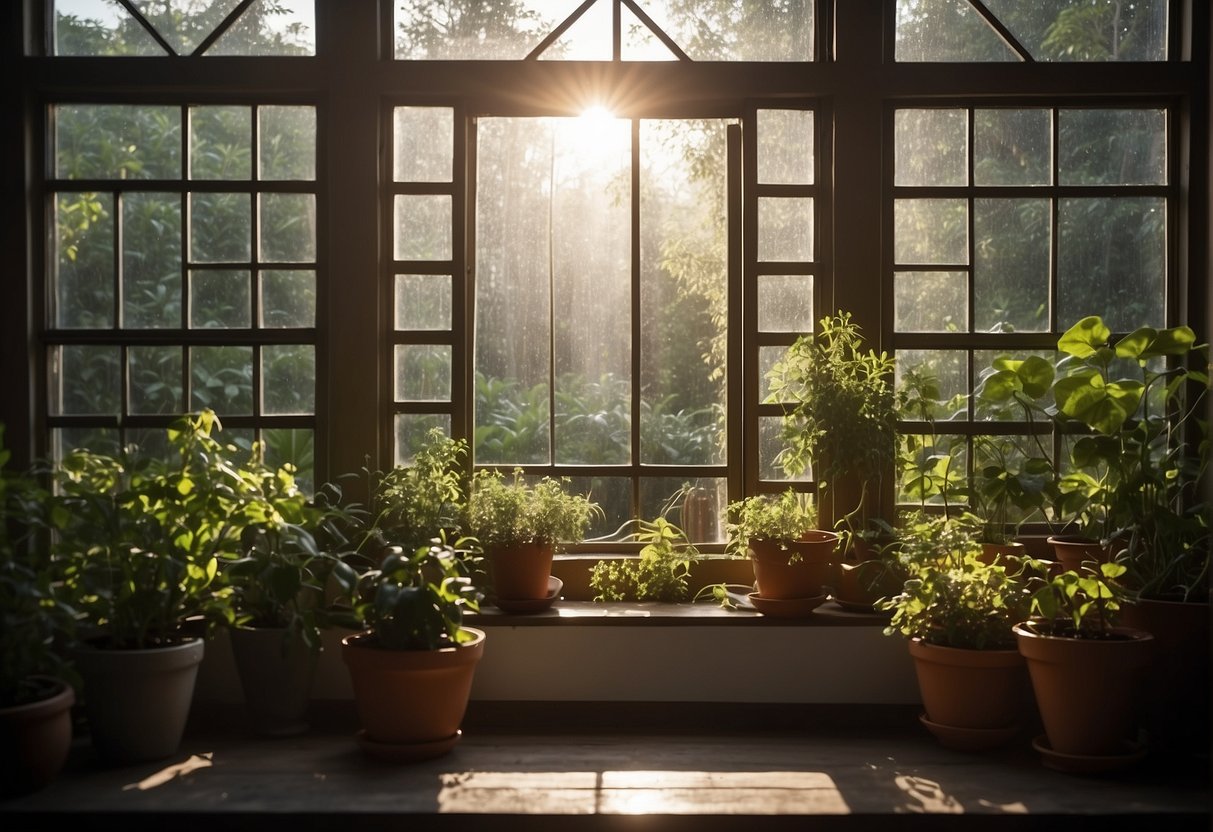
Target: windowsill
(655, 613)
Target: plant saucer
(528, 605)
(786, 608)
(406, 752)
(970, 739)
(1088, 763)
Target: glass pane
(423, 372)
(423, 227)
(424, 144)
(1011, 265)
(473, 30)
(288, 228)
(1107, 30)
(423, 301)
(785, 303)
(97, 440)
(287, 143)
(277, 27)
(785, 147)
(184, 23)
(931, 301)
(1111, 261)
(767, 358)
(931, 232)
(931, 147)
(117, 141)
(296, 446)
(683, 291)
(154, 384)
(949, 369)
(151, 260)
(288, 299)
(1012, 147)
(931, 469)
(614, 497)
(411, 430)
(754, 30)
(221, 378)
(84, 261)
(1012, 411)
(221, 142)
(85, 380)
(588, 39)
(220, 299)
(785, 229)
(1112, 147)
(696, 506)
(288, 379)
(639, 43)
(220, 228)
(100, 28)
(770, 446)
(946, 30)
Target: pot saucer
(526, 605)
(786, 608)
(1085, 763)
(406, 752)
(969, 739)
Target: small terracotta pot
(1072, 552)
(520, 571)
(972, 689)
(858, 586)
(1089, 691)
(35, 740)
(779, 577)
(990, 552)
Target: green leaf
(1085, 337)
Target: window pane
(1112, 147)
(471, 29)
(288, 379)
(1107, 30)
(221, 378)
(423, 227)
(1012, 411)
(221, 142)
(614, 497)
(767, 358)
(1111, 261)
(932, 468)
(931, 301)
(151, 260)
(949, 368)
(220, 299)
(1012, 147)
(84, 261)
(288, 228)
(117, 141)
(931, 147)
(154, 380)
(1011, 264)
(220, 228)
(97, 440)
(280, 27)
(288, 299)
(708, 30)
(930, 232)
(296, 446)
(946, 30)
(287, 143)
(85, 380)
(683, 291)
(770, 446)
(86, 28)
(423, 372)
(695, 506)
(424, 148)
(785, 229)
(785, 303)
(411, 430)
(423, 301)
(785, 147)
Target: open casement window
(599, 334)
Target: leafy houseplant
(779, 534)
(520, 525)
(659, 573)
(957, 611)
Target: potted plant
(292, 546)
(659, 573)
(520, 525)
(790, 554)
(1087, 672)
(36, 682)
(413, 661)
(138, 543)
(957, 611)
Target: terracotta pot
(1072, 552)
(1177, 694)
(1089, 691)
(990, 552)
(137, 702)
(411, 702)
(778, 577)
(276, 671)
(520, 571)
(858, 586)
(35, 739)
(983, 692)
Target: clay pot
(858, 586)
(520, 571)
(778, 577)
(276, 672)
(35, 740)
(990, 552)
(1089, 691)
(979, 697)
(1072, 552)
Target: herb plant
(504, 511)
(659, 573)
(778, 518)
(1080, 604)
(412, 505)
